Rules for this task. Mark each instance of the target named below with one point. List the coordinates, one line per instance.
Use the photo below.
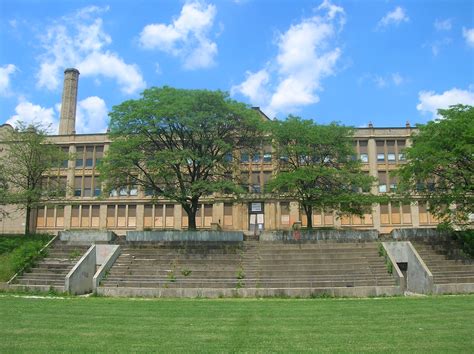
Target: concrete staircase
(444, 261)
(177, 265)
(316, 265)
(51, 271)
(248, 265)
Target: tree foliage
(317, 167)
(178, 144)
(26, 160)
(440, 166)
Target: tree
(178, 144)
(440, 165)
(317, 167)
(27, 159)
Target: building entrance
(256, 217)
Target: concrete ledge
(79, 279)
(86, 236)
(361, 291)
(320, 235)
(171, 235)
(106, 255)
(455, 288)
(40, 288)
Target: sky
(353, 62)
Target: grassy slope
(16, 250)
(430, 324)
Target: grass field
(427, 324)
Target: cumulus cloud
(306, 55)
(443, 25)
(187, 37)
(468, 34)
(394, 17)
(91, 116)
(5, 73)
(79, 41)
(430, 101)
(30, 113)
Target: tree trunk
(27, 220)
(191, 220)
(309, 215)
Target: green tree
(25, 163)
(178, 144)
(317, 167)
(440, 165)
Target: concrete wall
(361, 291)
(320, 235)
(396, 272)
(79, 279)
(413, 233)
(419, 277)
(106, 255)
(235, 236)
(86, 236)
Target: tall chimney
(67, 122)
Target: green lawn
(427, 324)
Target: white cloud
(254, 86)
(468, 34)
(306, 55)
(30, 113)
(430, 102)
(397, 79)
(443, 25)
(5, 73)
(394, 17)
(91, 116)
(79, 41)
(187, 37)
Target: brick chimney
(67, 122)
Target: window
(267, 157)
(382, 188)
(79, 163)
(380, 157)
(244, 157)
(364, 158)
(77, 186)
(87, 186)
(256, 157)
(89, 162)
(133, 191)
(228, 157)
(391, 157)
(228, 214)
(401, 157)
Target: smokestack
(67, 122)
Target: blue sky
(349, 61)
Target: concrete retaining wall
(419, 278)
(86, 236)
(457, 288)
(172, 235)
(106, 255)
(396, 272)
(320, 235)
(361, 291)
(414, 233)
(79, 279)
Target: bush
(466, 239)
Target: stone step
(41, 281)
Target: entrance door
(256, 217)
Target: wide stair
(250, 264)
(177, 265)
(317, 265)
(446, 262)
(50, 272)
